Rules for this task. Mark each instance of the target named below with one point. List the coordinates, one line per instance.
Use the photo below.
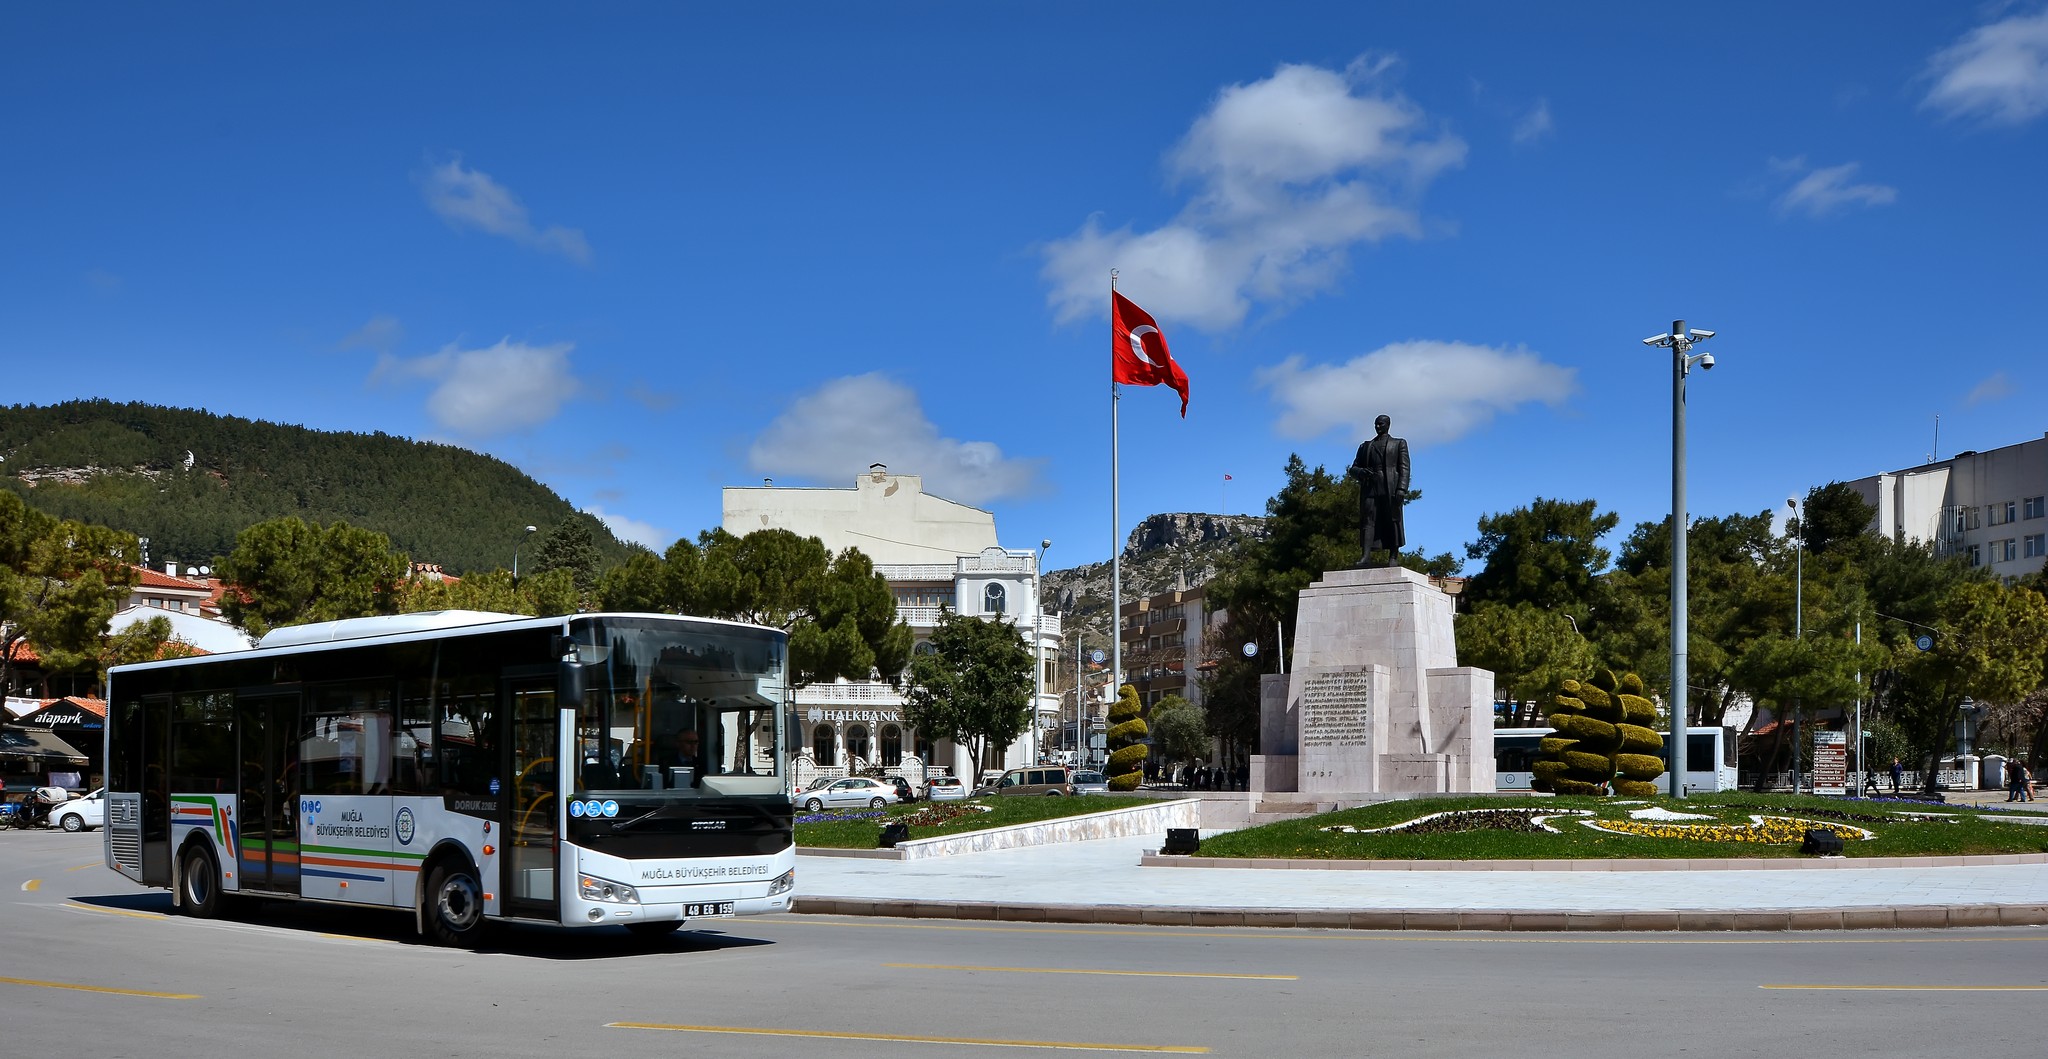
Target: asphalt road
(92, 965)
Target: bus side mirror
(569, 686)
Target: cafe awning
(38, 745)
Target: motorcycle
(33, 810)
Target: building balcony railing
(851, 693)
(916, 571)
(920, 617)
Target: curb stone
(1690, 920)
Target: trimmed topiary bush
(1603, 739)
(1126, 738)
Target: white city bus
(414, 761)
(1709, 758)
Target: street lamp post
(1037, 652)
(1679, 341)
(515, 553)
(1798, 614)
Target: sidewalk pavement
(1103, 881)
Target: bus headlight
(783, 883)
(595, 889)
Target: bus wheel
(199, 884)
(651, 930)
(455, 905)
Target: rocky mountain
(1164, 552)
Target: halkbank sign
(818, 714)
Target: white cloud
(1534, 125)
(1436, 391)
(1997, 72)
(381, 333)
(1287, 175)
(508, 387)
(1824, 191)
(833, 434)
(469, 198)
(632, 529)
(1991, 389)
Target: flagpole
(1116, 551)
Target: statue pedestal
(1375, 703)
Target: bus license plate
(721, 908)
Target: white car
(851, 791)
(82, 813)
(945, 789)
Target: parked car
(904, 791)
(1040, 780)
(945, 789)
(818, 783)
(851, 791)
(1088, 782)
(82, 813)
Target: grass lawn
(1498, 832)
(858, 828)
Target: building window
(2037, 506)
(821, 746)
(1976, 555)
(2037, 545)
(993, 598)
(2004, 513)
(857, 744)
(2003, 551)
(892, 746)
(923, 747)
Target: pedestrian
(2015, 781)
(2025, 781)
(1898, 773)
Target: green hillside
(124, 466)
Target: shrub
(1602, 733)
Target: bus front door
(269, 830)
(532, 831)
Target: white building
(1989, 506)
(935, 554)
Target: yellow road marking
(1077, 970)
(32, 885)
(115, 911)
(904, 1038)
(1914, 988)
(359, 937)
(1470, 937)
(82, 867)
(100, 989)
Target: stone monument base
(1376, 703)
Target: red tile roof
(153, 579)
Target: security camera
(1707, 361)
(1701, 332)
(1656, 339)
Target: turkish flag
(1138, 353)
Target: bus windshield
(671, 713)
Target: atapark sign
(65, 715)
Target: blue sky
(647, 251)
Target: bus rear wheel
(454, 915)
(199, 884)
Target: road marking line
(358, 937)
(100, 989)
(31, 886)
(841, 1035)
(115, 911)
(82, 867)
(1913, 988)
(1078, 970)
(1470, 937)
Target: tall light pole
(1798, 614)
(1037, 652)
(530, 530)
(1679, 341)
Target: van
(1041, 780)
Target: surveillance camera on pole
(1679, 341)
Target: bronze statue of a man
(1381, 468)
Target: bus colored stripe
(365, 864)
(352, 851)
(344, 875)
